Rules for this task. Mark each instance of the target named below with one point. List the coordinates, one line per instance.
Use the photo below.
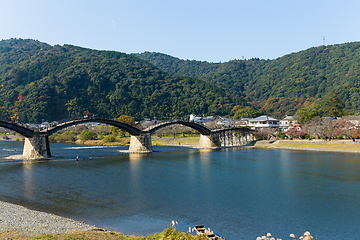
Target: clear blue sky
(188, 29)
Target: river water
(238, 193)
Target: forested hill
(283, 85)
(39, 81)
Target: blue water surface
(238, 193)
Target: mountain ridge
(283, 85)
(39, 81)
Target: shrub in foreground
(173, 234)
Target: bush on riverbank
(62, 137)
(99, 234)
(83, 135)
(12, 137)
(5, 137)
(109, 139)
(87, 135)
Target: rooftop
(263, 118)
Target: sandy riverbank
(17, 222)
(20, 223)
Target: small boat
(200, 230)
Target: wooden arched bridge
(37, 139)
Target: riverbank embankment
(312, 145)
(17, 222)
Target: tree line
(42, 82)
(284, 85)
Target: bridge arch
(123, 126)
(200, 128)
(26, 132)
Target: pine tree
(334, 105)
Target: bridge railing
(69, 120)
(39, 128)
(24, 125)
(162, 122)
(158, 122)
(213, 128)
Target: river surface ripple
(238, 193)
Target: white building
(286, 122)
(263, 122)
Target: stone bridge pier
(140, 143)
(235, 138)
(211, 141)
(37, 146)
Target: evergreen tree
(334, 105)
(308, 113)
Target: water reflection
(135, 173)
(135, 162)
(205, 160)
(28, 178)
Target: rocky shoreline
(25, 222)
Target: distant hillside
(39, 81)
(283, 85)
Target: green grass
(10, 137)
(316, 145)
(98, 234)
(175, 141)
